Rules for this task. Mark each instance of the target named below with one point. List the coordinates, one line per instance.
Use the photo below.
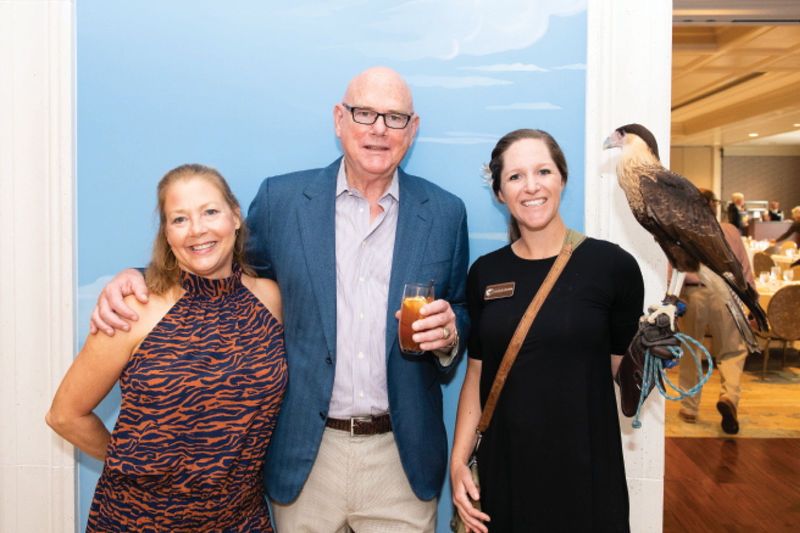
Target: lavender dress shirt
(364, 251)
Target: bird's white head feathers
(638, 145)
(639, 151)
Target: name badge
(500, 290)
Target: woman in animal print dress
(202, 375)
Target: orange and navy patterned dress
(200, 398)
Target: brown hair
(496, 164)
(163, 271)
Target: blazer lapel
(317, 233)
(413, 228)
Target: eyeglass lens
(368, 116)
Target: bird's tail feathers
(725, 288)
(757, 311)
(742, 324)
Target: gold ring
(445, 332)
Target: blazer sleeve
(458, 284)
(256, 247)
(795, 227)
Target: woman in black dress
(551, 459)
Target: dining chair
(772, 250)
(762, 262)
(782, 312)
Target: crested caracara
(672, 209)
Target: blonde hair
(796, 211)
(163, 272)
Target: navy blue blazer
(291, 223)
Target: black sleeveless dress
(551, 459)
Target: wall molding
(628, 80)
(37, 263)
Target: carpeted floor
(768, 408)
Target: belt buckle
(355, 419)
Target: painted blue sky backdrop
(249, 88)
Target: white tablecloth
(784, 261)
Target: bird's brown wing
(683, 223)
(686, 228)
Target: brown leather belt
(362, 425)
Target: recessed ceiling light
(752, 134)
(796, 125)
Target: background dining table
(783, 260)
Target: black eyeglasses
(362, 115)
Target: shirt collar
(342, 186)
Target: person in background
(360, 442)
(551, 459)
(714, 203)
(736, 214)
(794, 228)
(200, 399)
(774, 213)
(705, 310)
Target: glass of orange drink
(415, 296)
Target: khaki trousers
(358, 483)
(704, 309)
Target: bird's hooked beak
(614, 140)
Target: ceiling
(735, 71)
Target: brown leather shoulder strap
(572, 240)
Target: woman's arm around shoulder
(266, 290)
(92, 375)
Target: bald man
(360, 442)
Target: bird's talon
(668, 310)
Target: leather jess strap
(571, 241)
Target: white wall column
(37, 196)
(717, 174)
(628, 75)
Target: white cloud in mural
(460, 137)
(454, 82)
(573, 66)
(90, 291)
(87, 297)
(322, 9)
(490, 136)
(417, 29)
(512, 67)
(502, 237)
(524, 106)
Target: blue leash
(655, 367)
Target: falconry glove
(656, 334)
